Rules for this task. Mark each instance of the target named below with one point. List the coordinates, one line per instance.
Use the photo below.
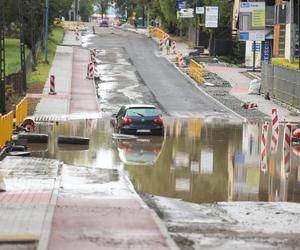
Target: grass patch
(285, 63)
(42, 69)
(12, 55)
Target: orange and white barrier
(275, 131)
(263, 148)
(93, 53)
(52, 85)
(180, 59)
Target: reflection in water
(141, 151)
(197, 161)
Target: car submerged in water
(138, 119)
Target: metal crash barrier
(196, 71)
(21, 111)
(6, 128)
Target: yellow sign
(133, 13)
(258, 18)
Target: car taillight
(158, 120)
(126, 121)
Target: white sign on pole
(199, 10)
(187, 13)
(211, 16)
(252, 21)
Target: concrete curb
(162, 228)
(47, 225)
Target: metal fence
(281, 83)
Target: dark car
(138, 119)
(104, 23)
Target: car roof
(128, 106)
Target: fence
(281, 83)
(196, 71)
(21, 111)
(6, 128)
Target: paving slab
(30, 183)
(97, 209)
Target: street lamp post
(2, 60)
(46, 30)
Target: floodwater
(197, 161)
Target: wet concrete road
(173, 92)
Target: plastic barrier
(70, 25)
(6, 128)
(21, 111)
(156, 32)
(196, 71)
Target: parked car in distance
(138, 119)
(104, 23)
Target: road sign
(211, 16)
(187, 13)
(181, 4)
(199, 10)
(266, 55)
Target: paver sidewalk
(27, 204)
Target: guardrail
(6, 128)
(196, 71)
(160, 34)
(21, 111)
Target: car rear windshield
(142, 112)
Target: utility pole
(46, 30)
(22, 44)
(2, 60)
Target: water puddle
(196, 161)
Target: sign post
(252, 24)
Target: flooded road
(197, 161)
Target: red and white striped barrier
(181, 61)
(93, 53)
(161, 44)
(263, 148)
(90, 71)
(77, 33)
(52, 85)
(275, 131)
(174, 47)
(287, 147)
